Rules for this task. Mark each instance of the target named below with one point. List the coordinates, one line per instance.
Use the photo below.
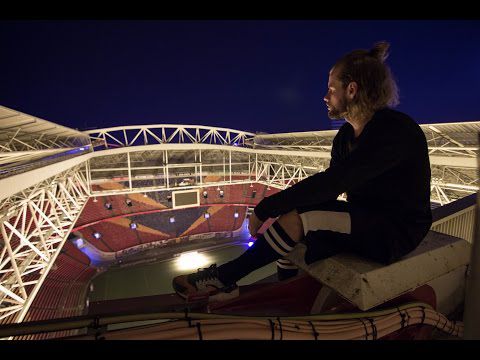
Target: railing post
(472, 295)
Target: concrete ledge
(368, 284)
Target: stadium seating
(63, 293)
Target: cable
(315, 333)
(272, 327)
(281, 330)
(200, 337)
(365, 327)
(326, 326)
(374, 328)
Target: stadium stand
(63, 292)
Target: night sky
(255, 75)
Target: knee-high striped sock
(270, 246)
(286, 269)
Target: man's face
(335, 98)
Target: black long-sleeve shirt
(386, 168)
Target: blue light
(250, 243)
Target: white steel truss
(278, 159)
(25, 139)
(34, 224)
(165, 134)
(162, 167)
(22, 132)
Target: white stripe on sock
(279, 239)
(273, 244)
(283, 266)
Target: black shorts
(338, 226)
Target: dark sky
(254, 75)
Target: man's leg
(220, 283)
(277, 241)
(331, 221)
(327, 229)
(286, 269)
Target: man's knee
(292, 224)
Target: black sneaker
(204, 284)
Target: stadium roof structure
(24, 138)
(48, 172)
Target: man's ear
(352, 89)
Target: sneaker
(204, 284)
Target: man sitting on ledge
(379, 159)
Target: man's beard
(339, 112)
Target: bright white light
(97, 235)
(250, 243)
(235, 215)
(172, 220)
(191, 261)
(79, 243)
(207, 215)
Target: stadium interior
(81, 209)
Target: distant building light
(97, 235)
(172, 220)
(91, 287)
(221, 193)
(87, 302)
(95, 199)
(207, 215)
(79, 243)
(108, 206)
(133, 225)
(250, 243)
(128, 202)
(205, 194)
(235, 215)
(82, 148)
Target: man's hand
(254, 224)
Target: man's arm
(374, 156)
